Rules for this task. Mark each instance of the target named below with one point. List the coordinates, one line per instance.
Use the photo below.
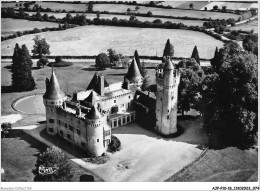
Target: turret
(95, 121)
(52, 98)
(133, 75)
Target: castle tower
(133, 76)
(167, 80)
(95, 132)
(53, 97)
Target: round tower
(95, 135)
(166, 99)
(52, 98)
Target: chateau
(86, 118)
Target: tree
(235, 97)
(45, 17)
(5, 127)
(149, 14)
(102, 61)
(21, 69)
(128, 10)
(224, 8)
(53, 157)
(137, 8)
(215, 7)
(42, 62)
(38, 15)
(41, 47)
(191, 6)
(90, 6)
(168, 50)
(195, 55)
(250, 43)
(113, 56)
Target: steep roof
(94, 83)
(133, 74)
(94, 113)
(53, 91)
(92, 97)
(168, 65)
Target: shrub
(115, 144)
(102, 61)
(60, 64)
(6, 127)
(42, 62)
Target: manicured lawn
(225, 165)
(247, 27)
(92, 40)
(18, 157)
(167, 12)
(10, 26)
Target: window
(61, 132)
(114, 101)
(51, 120)
(83, 144)
(70, 128)
(168, 117)
(66, 125)
(98, 140)
(78, 131)
(161, 99)
(58, 121)
(68, 136)
(51, 130)
(129, 97)
(172, 98)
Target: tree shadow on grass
(121, 74)
(6, 89)
(8, 67)
(93, 69)
(64, 145)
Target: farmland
(229, 5)
(111, 16)
(10, 26)
(247, 27)
(91, 40)
(166, 12)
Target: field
(63, 6)
(10, 26)
(167, 12)
(185, 4)
(247, 27)
(229, 5)
(111, 16)
(225, 165)
(92, 40)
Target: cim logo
(47, 170)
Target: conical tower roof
(53, 91)
(94, 113)
(168, 64)
(92, 97)
(133, 74)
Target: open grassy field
(111, 16)
(247, 27)
(225, 165)
(62, 6)
(10, 26)
(185, 4)
(167, 12)
(92, 40)
(229, 5)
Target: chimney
(78, 111)
(101, 85)
(64, 105)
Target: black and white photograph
(129, 95)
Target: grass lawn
(10, 26)
(225, 165)
(18, 157)
(111, 16)
(167, 12)
(92, 40)
(247, 27)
